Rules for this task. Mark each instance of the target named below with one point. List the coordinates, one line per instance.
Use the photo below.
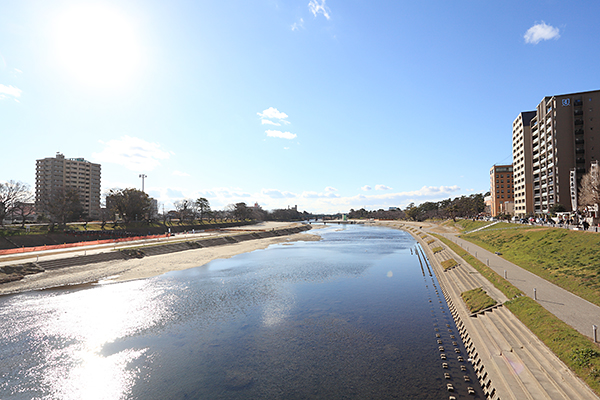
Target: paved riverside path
(572, 309)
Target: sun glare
(97, 45)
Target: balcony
(578, 102)
(579, 131)
(578, 122)
(579, 150)
(579, 140)
(580, 160)
(580, 170)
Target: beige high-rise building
(69, 173)
(563, 144)
(522, 169)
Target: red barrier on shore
(77, 244)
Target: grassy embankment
(569, 259)
(574, 349)
(477, 299)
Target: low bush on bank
(573, 348)
(447, 264)
(500, 283)
(429, 241)
(437, 249)
(477, 299)
(569, 259)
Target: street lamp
(143, 176)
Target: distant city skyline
(321, 104)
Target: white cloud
(382, 187)
(319, 7)
(298, 25)
(272, 113)
(317, 195)
(6, 91)
(18, 70)
(269, 122)
(279, 134)
(540, 32)
(278, 194)
(366, 188)
(267, 117)
(133, 153)
(179, 173)
(330, 189)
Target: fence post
(534, 293)
(594, 333)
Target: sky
(325, 104)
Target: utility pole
(143, 176)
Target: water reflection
(64, 334)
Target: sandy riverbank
(117, 271)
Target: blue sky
(328, 105)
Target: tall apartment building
(522, 168)
(563, 146)
(501, 189)
(69, 173)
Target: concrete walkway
(572, 309)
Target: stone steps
(81, 260)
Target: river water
(353, 316)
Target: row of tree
(464, 206)
(395, 213)
(188, 210)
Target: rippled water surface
(351, 316)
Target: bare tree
(24, 209)
(185, 209)
(589, 190)
(12, 197)
(61, 206)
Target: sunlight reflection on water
(68, 332)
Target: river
(352, 316)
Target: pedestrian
(586, 225)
